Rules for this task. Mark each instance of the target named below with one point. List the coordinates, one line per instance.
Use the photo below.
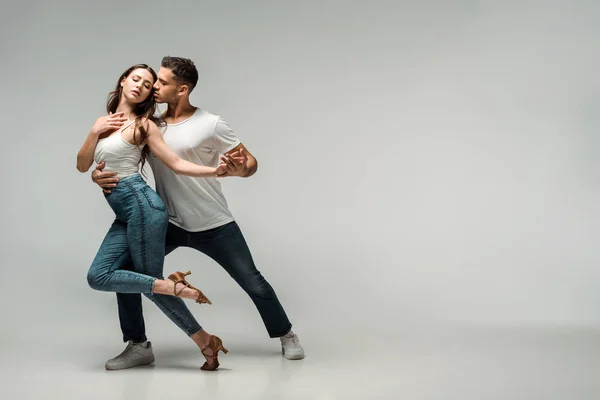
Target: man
(198, 213)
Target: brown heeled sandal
(215, 344)
(179, 277)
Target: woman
(122, 140)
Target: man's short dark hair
(183, 70)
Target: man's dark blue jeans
(227, 246)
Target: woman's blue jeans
(137, 234)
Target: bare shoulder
(150, 126)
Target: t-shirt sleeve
(224, 139)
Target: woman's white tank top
(120, 156)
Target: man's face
(166, 87)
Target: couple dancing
(188, 149)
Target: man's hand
(105, 180)
(108, 123)
(237, 164)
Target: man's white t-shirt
(195, 204)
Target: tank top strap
(127, 126)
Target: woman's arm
(85, 157)
(173, 161)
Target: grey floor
(419, 362)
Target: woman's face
(138, 85)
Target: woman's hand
(236, 164)
(108, 123)
(221, 169)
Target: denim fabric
(227, 246)
(137, 238)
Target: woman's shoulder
(150, 123)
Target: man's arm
(240, 162)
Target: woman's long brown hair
(143, 111)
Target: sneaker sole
(147, 361)
(294, 357)
(299, 356)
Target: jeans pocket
(154, 199)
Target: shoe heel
(215, 344)
(219, 346)
(179, 276)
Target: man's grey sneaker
(291, 348)
(135, 354)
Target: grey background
(420, 163)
